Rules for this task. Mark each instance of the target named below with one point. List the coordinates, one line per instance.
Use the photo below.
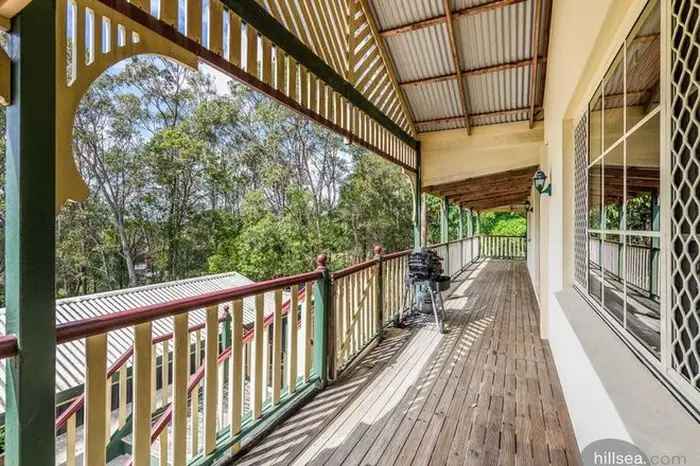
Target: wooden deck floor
(486, 393)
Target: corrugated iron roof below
(70, 357)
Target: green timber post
(322, 321)
(30, 189)
(417, 203)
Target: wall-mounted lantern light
(540, 180)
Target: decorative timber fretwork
(244, 41)
(341, 34)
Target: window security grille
(580, 200)
(685, 197)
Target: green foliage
(188, 179)
(502, 224)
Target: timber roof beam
(454, 48)
(473, 72)
(470, 11)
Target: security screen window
(624, 186)
(614, 102)
(595, 126)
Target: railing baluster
(265, 361)
(164, 395)
(70, 441)
(257, 372)
(154, 388)
(293, 326)
(340, 328)
(355, 311)
(236, 374)
(181, 356)
(122, 395)
(108, 408)
(362, 314)
(95, 400)
(143, 350)
(210, 376)
(194, 406)
(277, 349)
(347, 313)
(163, 440)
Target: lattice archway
(91, 38)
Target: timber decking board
(486, 393)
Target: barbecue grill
(424, 282)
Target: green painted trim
(30, 237)
(322, 312)
(116, 446)
(266, 24)
(273, 417)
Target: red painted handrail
(103, 324)
(8, 346)
(396, 254)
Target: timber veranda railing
(191, 396)
(635, 264)
(503, 247)
(458, 254)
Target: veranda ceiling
(503, 189)
(494, 49)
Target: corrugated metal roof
(497, 36)
(391, 14)
(435, 100)
(502, 90)
(422, 53)
(441, 125)
(70, 357)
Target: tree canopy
(189, 176)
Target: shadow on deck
(487, 392)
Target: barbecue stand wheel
(425, 277)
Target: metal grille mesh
(580, 200)
(685, 173)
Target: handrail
(8, 346)
(103, 324)
(394, 255)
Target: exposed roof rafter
(479, 115)
(474, 10)
(464, 93)
(473, 72)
